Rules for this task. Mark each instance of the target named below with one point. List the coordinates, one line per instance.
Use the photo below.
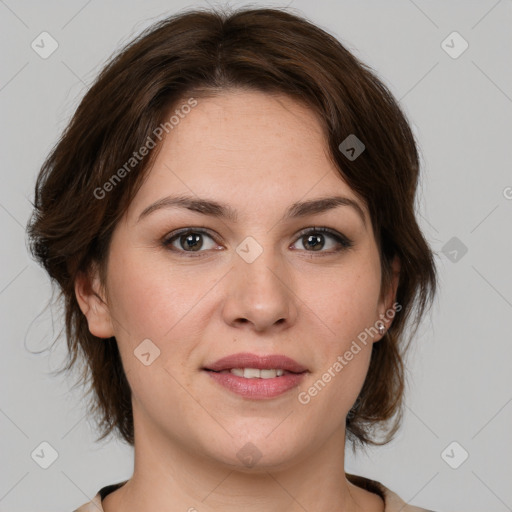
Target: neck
(168, 476)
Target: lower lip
(257, 388)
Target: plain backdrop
(460, 108)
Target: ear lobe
(388, 301)
(93, 305)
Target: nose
(259, 295)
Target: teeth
(255, 373)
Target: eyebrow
(224, 211)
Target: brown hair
(201, 53)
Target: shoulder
(95, 504)
(393, 503)
(92, 505)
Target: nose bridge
(260, 287)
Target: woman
(230, 219)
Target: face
(187, 286)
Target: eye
(188, 240)
(313, 240)
(192, 240)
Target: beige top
(392, 502)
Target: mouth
(251, 363)
(256, 373)
(256, 377)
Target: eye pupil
(313, 240)
(192, 241)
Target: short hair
(200, 53)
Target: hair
(198, 54)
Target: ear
(388, 299)
(92, 302)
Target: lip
(257, 389)
(248, 360)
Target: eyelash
(342, 240)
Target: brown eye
(315, 242)
(188, 240)
(316, 239)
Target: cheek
(149, 300)
(148, 303)
(346, 303)
(343, 361)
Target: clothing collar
(392, 502)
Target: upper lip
(265, 362)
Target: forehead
(241, 124)
(241, 145)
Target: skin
(259, 154)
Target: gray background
(461, 111)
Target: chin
(254, 453)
